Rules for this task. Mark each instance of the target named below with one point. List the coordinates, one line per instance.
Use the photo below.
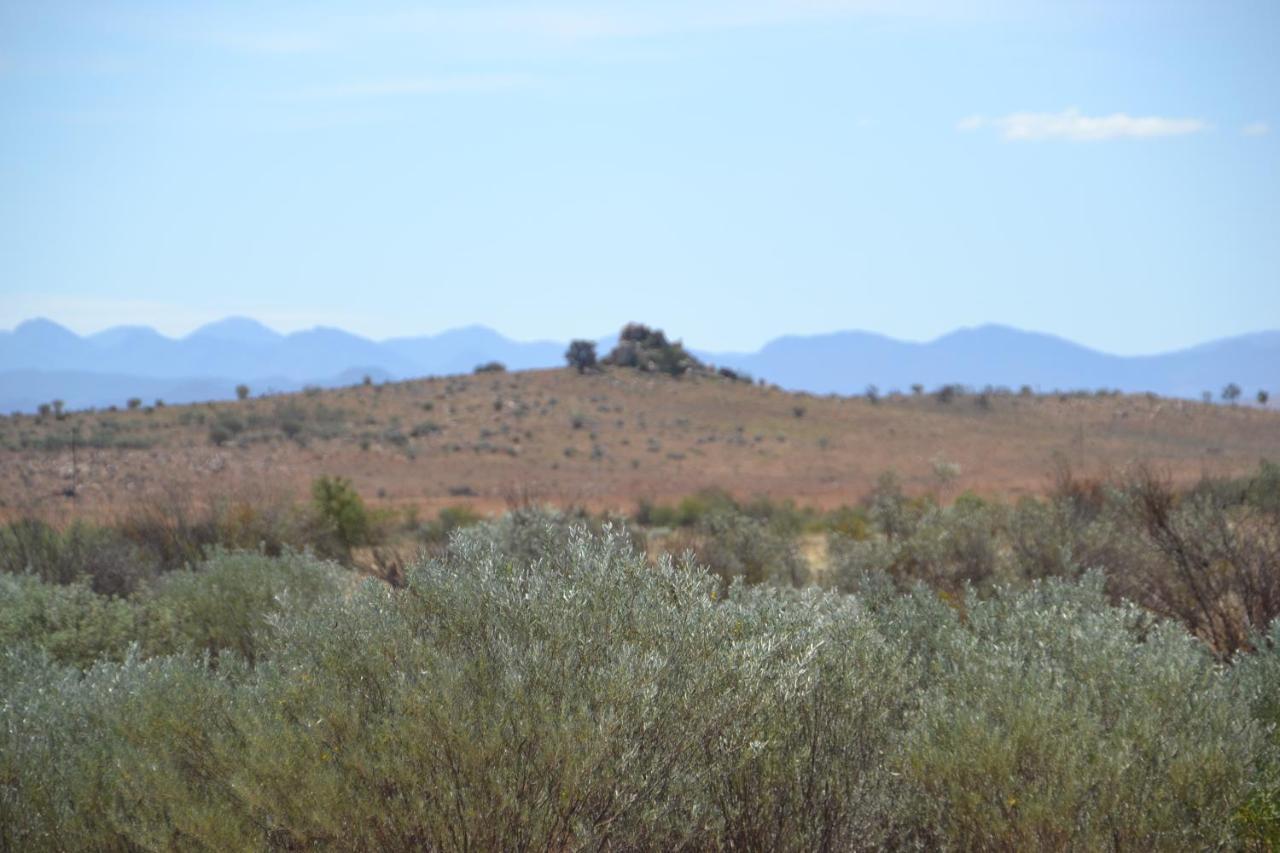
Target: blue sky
(732, 171)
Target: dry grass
(606, 440)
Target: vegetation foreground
(960, 680)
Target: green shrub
(541, 686)
(449, 519)
(228, 602)
(688, 512)
(69, 622)
(849, 522)
(341, 513)
(1058, 722)
(115, 758)
(224, 428)
(784, 517)
(105, 558)
(525, 537)
(734, 546)
(891, 510)
(948, 548)
(225, 603)
(1055, 538)
(267, 526)
(1257, 676)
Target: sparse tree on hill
(917, 389)
(59, 410)
(581, 355)
(134, 402)
(1263, 397)
(1231, 393)
(873, 394)
(43, 410)
(242, 392)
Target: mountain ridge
(220, 355)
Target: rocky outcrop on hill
(649, 350)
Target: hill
(607, 440)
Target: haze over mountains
(41, 361)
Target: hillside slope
(609, 439)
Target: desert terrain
(606, 440)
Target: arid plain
(605, 441)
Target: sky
(729, 170)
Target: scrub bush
(1059, 722)
(1257, 676)
(70, 622)
(1211, 559)
(225, 603)
(543, 686)
(948, 548)
(105, 559)
(449, 519)
(229, 602)
(1208, 557)
(343, 521)
(734, 546)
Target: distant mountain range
(846, 362)
(42, 361)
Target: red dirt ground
(607, 440)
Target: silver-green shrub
(225, 603)
(541, 686)
(228, 602)
(1059, 722)
(1257, 676)
(736, 547)
(948, 548)
(71, 623)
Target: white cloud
(1256, 128)
(1071, 124)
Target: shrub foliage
(540, 685)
